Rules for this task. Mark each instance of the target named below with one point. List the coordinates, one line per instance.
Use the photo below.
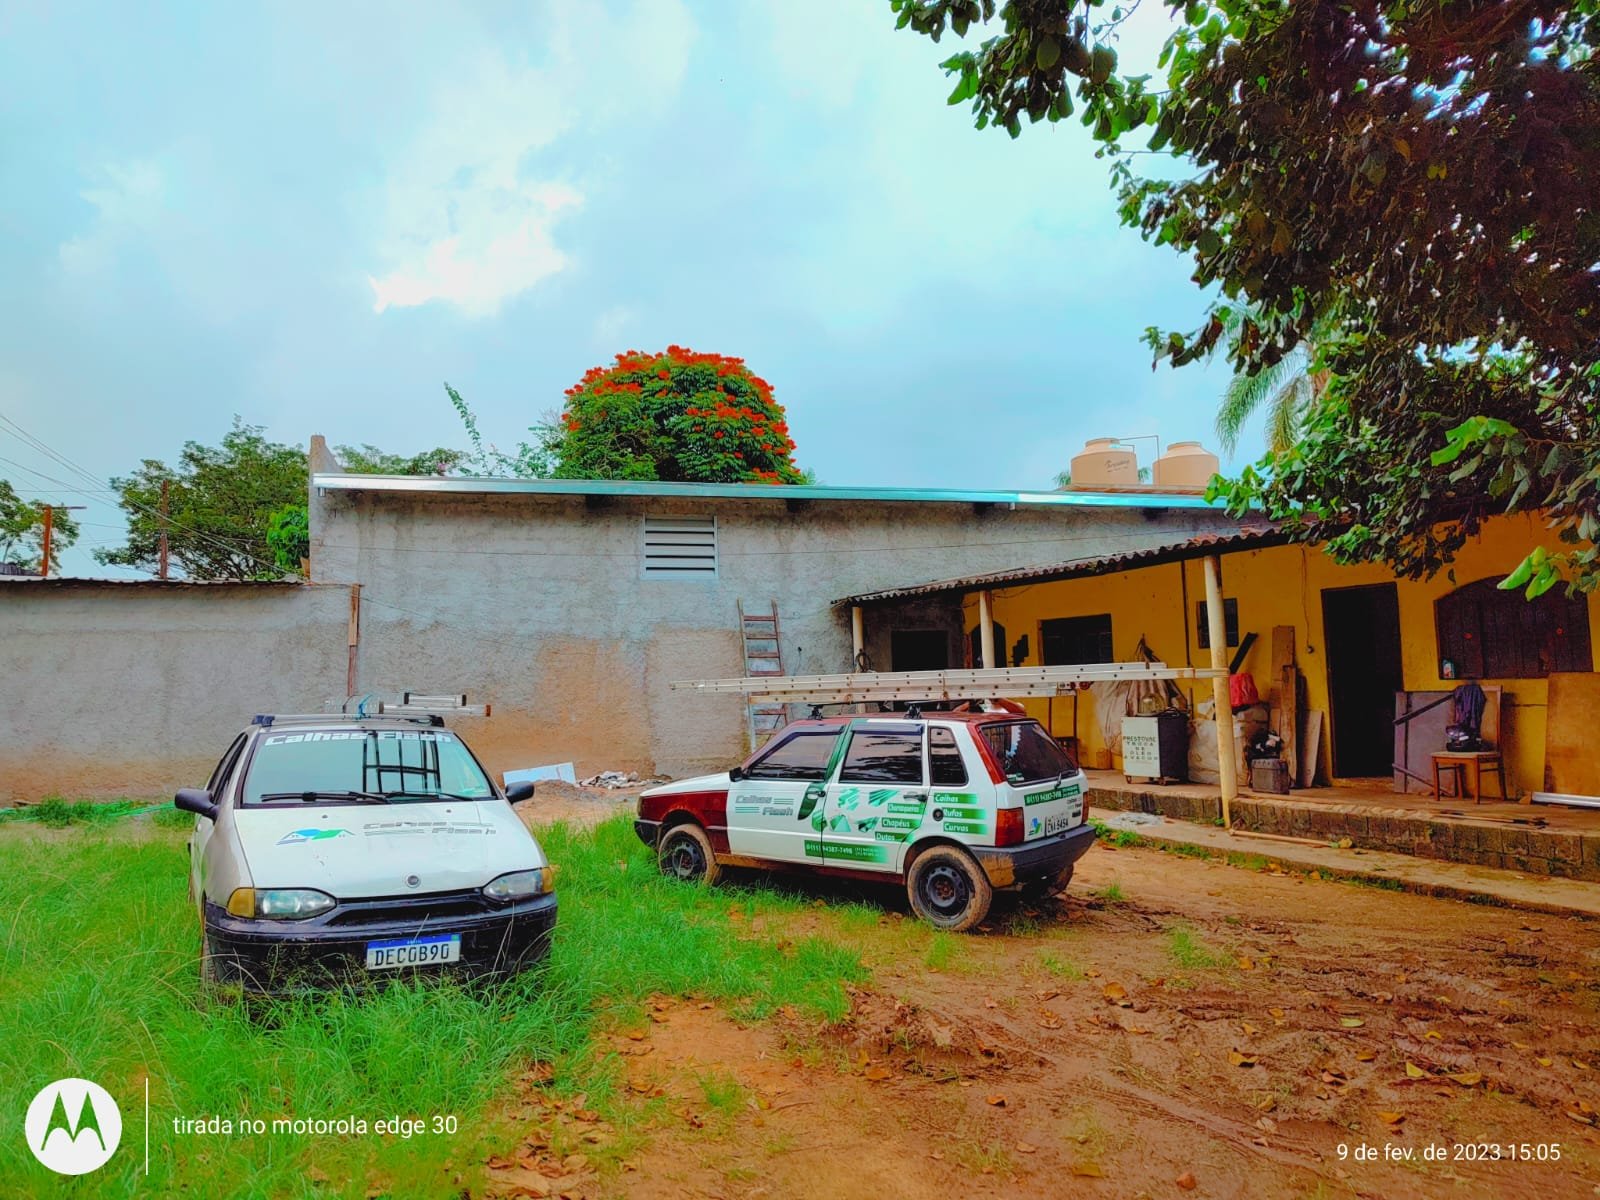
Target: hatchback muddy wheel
(948, 889)
(685, 853)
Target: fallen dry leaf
(1115, 993)
(1088, 1170)
(1186, 1181)
(1392, 1118)
(1413, 1071)
(1365, 1055)
(1246, 963)
(1352, 1022)
(876, 1073)
(1434, 1035)
(1546, 1062)
(1277, 1013)
(997, 1101)
(1249, 1029)
(1027, 1148)
(1467, 1078)
(1241, 1060)
(1580, 1064)
(636, 1035)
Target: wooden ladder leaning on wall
(763, 655)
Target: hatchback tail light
(1008, 827)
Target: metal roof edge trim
(469, 485)
(1081, 568)
(86, 581)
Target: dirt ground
(1172, 1027)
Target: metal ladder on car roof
(763, 659)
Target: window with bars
(680, 548)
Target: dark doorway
(919, 650)
(975, 640)
(1361, 629)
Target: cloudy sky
(312, 215)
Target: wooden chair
(1458, 763)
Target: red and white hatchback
(955, 805)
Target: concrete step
(1401, 872)
(1523, 845)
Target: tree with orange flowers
(677, 416)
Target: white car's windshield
(329, 765)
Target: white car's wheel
(948, 889)
(685, 854)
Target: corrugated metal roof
(1246, 538)
(468, 485)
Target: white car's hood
(353, 851)
(700, 783)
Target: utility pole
(165, 483)
(49, 528)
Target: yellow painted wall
(1282, 585)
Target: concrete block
(1527, 864)
(1555, 845)
(1513, 841)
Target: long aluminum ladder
(763, 659)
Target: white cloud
(608, 326)
(128, 201)
(473, 202)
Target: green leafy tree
(220, 502)
(22, 531)
(1286, 390)
(677, 416)
(238, 510)
(526, 461)
(289, 537)
(367, 459)
(1428, 170)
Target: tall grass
(99, 979)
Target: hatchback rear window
(1025, 752)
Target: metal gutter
(474, 486)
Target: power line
(102, 485)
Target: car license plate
(1058, 823)
(414, 952)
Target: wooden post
(49, 525)
(858, 644)
(353, 638)
(161, 573)
(986, 627)
(1227, 768)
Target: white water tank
(1187, 465)
(1105, 464)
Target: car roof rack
(986, 683)
(339, 718)
(413, 708)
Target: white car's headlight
(517, 885)
(279, 904)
